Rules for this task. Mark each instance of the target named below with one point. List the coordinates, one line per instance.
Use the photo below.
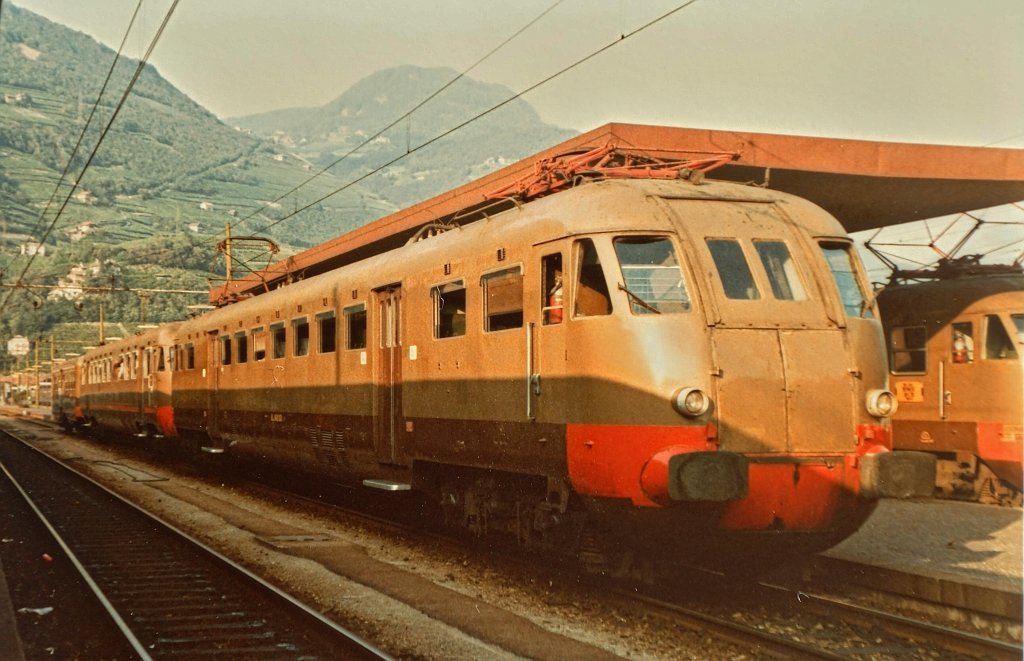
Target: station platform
(34, 412)
(956, 554)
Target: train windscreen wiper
(639, 301)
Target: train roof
(949, 297)
(864, 184)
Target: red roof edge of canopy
(863, 183)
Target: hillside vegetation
(170, 176)
(167, 179)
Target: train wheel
(991, 490)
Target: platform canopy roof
(865, 184)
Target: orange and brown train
(956, 336)
(677, 364)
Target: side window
(551, 294)
(277, 331)
(300, 332)
(844, 273)
(592, 297)
(781, 270)
(449, 309)
(962, 342)
(651, 274)
(327, 332)
(161, 359)
(259, 344)
(1018, 324)
(241, 347)
(997, 341)
(355, 319)
(190, 356)
(907, 344)
(503, 299)
(225, 350)
(733, 270)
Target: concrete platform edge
(991, 600)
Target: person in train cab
(963, 347)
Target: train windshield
(998, 345)
(844, 272)
(652, 278)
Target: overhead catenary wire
(117, 109)
(444, 134)
(88, 122)
(409, 113)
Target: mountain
(326, 134)
(169, 176)
(167, 179)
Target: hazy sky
(943, 71)
(936, 71)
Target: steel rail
(954, 639)
(355, 647)
(122, 626)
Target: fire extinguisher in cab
(555, 302)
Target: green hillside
(166, 181)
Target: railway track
(168, 594)
(773, 622)
(858, 631)
(788, 622)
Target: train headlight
(691, 402)
(880, 403)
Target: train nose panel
(903, 474)
(783, 384)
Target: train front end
(750, 393)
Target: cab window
(907, 344)
(781, 270)
(551, 304)
(591, 295)
(733, 270)
(998, 345)
(844, 273)
(652, 278)
(962, 342)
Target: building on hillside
(82, 230)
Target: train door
(149, 377)
(388, 378)
(779, 348)
(546, 389)
(213, 362)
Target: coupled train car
(682, 365)
(125, 386)
(956, 344)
